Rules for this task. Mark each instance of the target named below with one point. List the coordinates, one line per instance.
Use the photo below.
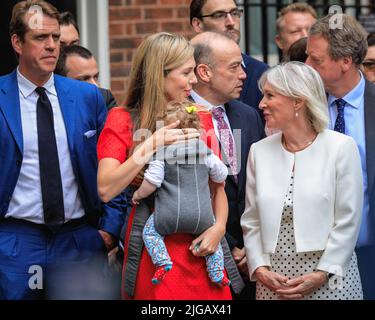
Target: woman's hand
(208, 241)
(168, 135)
(303, 285)
(272, 280)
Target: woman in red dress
(162, 71)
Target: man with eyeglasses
(368, 65)
(223, 16)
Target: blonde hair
(299, 7)
(300, 81)
(184, 111)
(157, 55)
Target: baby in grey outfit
(180, 174)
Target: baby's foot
(220, 279)
(224, 282)
(160, 273)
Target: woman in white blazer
(303, 195)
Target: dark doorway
(7, 57)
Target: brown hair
(18, 25)
(297, 51)
(347, 41)
(184, 111)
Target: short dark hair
(196, 8)
(67, 19)
(297, 51)
(70, 51)
(371, 39)
(18, 25)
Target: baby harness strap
(135, 247)
(234, 275)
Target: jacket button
(18, 163)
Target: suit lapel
(68, 107)
(370, 133)
(10, 107)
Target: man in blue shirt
(54, 231)
(336, 52)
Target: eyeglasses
(369, 65)
(221, 15)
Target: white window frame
(93, 21)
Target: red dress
(188, 279)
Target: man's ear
(16, 43)
(346, 63)
(197, 25)
(279, 42)
(203, 72)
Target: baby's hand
(136, 198)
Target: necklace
(308, 143)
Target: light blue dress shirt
(354, 115)
(26, 200)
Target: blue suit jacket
(246, 119)
(251, 95)
(83, 110)
(369, 103)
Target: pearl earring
(296, 114)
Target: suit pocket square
(90, 134)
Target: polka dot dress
(288, 262)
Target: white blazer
(327, 199)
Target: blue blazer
(83, 110)
(246, 119)
(369, 103)
(251, 95)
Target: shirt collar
(353, 97)
(201, 101)
(27, 87)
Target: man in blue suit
(220, 79)
(49, 127)
(223, 16)
(337, 52)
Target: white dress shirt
(204, 103)
(26, 202)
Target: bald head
(208, 44)
(219, 71)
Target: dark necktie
(50, 176)
(340, 120)
(226, 140)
